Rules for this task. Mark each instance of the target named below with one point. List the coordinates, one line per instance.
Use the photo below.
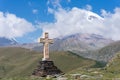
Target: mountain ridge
(104, 54)
(79, 41)
(83, 41)
(6, 41)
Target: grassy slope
(17, 61)
(113, 67)
(107, 52)
(110, 72)
(21, 62)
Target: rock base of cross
(47, 68)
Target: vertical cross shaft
(46, 41)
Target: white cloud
(12, 26)
(79, 20)
(50, 10)
(112, 24)
(54, 3)
(89, 7)
(35, 11)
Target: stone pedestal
(46, 68)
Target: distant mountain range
(91, 46)
(76, 48)
(81, 42)
(5, 41)
(104, 54)
(108, 52)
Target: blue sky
(40, 15)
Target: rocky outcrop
(46, 68)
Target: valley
(20, 62)
(85, 55)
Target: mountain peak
(93, 16)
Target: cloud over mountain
(78, 20)
(12, 26)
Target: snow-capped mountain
(93, 16)
(5, 41)
(75, 21)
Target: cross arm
(51, 41)
(42, 40)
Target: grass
(17, 62)
(20, 62)
(109, 72)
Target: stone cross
(46, 41)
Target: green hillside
(114, 64)
(17, 61)
(106, 53)
(21, 62)
(113, 67)
(110, 72)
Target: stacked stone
(46, 68)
